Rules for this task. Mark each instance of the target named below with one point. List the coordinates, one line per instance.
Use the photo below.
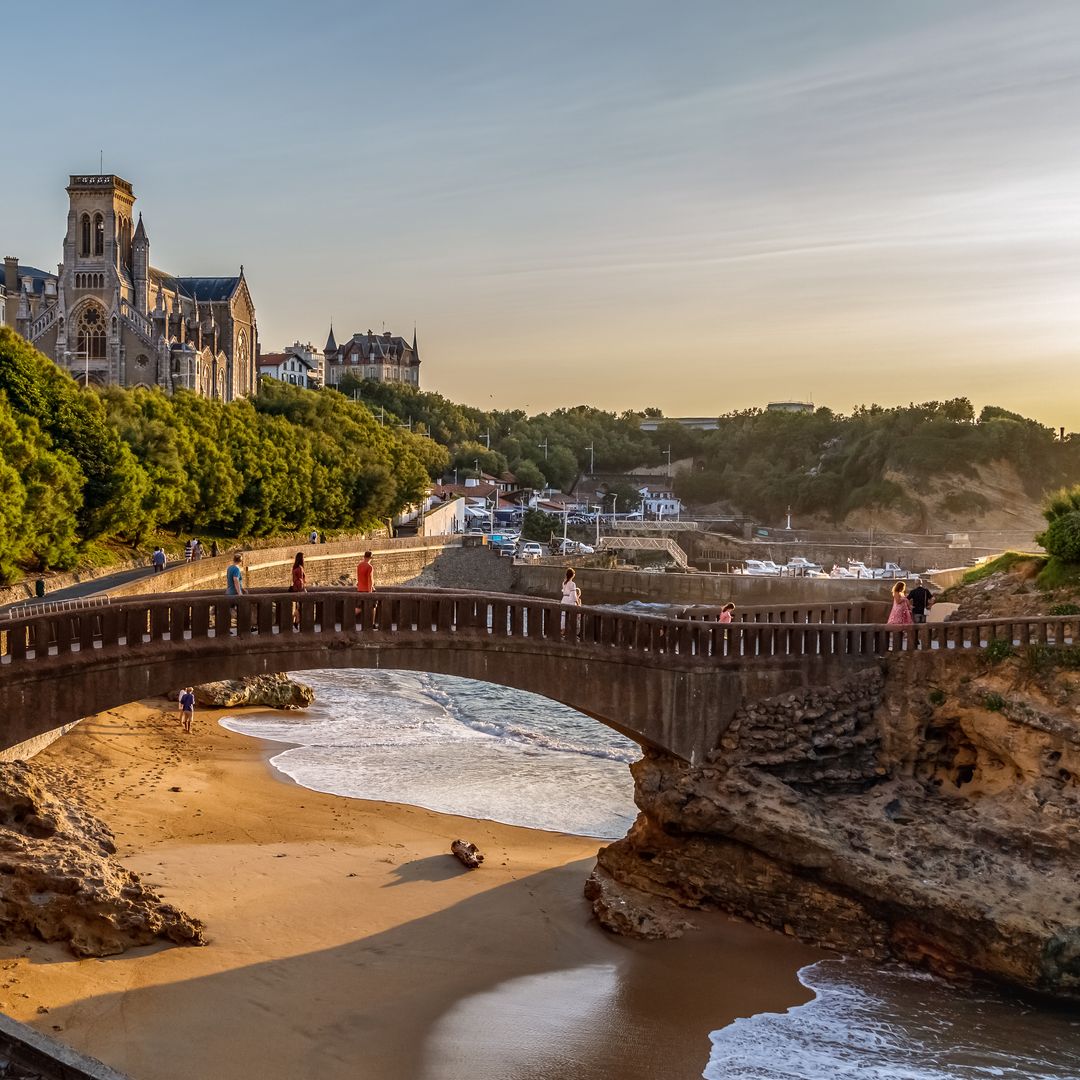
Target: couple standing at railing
(908, 608)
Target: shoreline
(345, 940)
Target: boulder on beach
(270, 691)
(61, 881)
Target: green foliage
(1065, 609)
(1036, 658)
(79, 467)
(820, 462)
(936, 697)
(1061, 537)
(1003, 562)
(1058, 574)
(536, 525)
(993, 702)
(997, 651)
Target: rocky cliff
(926, 809)
(59, 880)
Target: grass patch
(998, 650)
(993, 702)
(1003, 562)
(1059, 575)
(1035, 659)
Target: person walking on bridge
(299, 584)
(365, 583)
(365, 575)
(571, 597)
(900, 615)
(158, 559)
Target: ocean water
(455, 746)
(867, 1023)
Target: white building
(291, 367)
(661, 504)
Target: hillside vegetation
(918, 467)
(79, 466)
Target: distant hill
(935, 467)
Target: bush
(1065, 609)
(993, 702)
(1061, 537)
(936, 697)
(998, 650)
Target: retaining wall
(624, 586)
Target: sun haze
(701, 206)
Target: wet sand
(345, 941)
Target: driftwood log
(467, 853)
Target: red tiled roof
(271, 359)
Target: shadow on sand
(515, 983)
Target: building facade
(111, 319)
(290, 367)
(383, 357)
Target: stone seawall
(397, 562)
(624, 586)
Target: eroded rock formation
(60, 882)
(276, 691)
(926, 810)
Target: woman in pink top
(901, 606)
(726, 612)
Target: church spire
(331, 344)
(415, 350)
(140, 230)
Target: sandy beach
(346, 942)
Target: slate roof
(208, 288)
(37, 276)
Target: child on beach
(187, 709)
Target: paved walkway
(93, 587)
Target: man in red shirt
(365, 574)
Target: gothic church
(110, 318)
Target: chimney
(11, 273)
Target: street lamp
(543, 446)
(598, 510)
(592, 462)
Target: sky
(694, 206)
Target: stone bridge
(672, 683)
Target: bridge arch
(672, 684)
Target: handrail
(422, 616)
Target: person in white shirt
(571, 597)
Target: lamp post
(598, 509)
(543, 446)
(592, 461)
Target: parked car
(507, 550)
(531, 550)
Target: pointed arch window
(91, 332)
(99, 235)
(84, 237)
